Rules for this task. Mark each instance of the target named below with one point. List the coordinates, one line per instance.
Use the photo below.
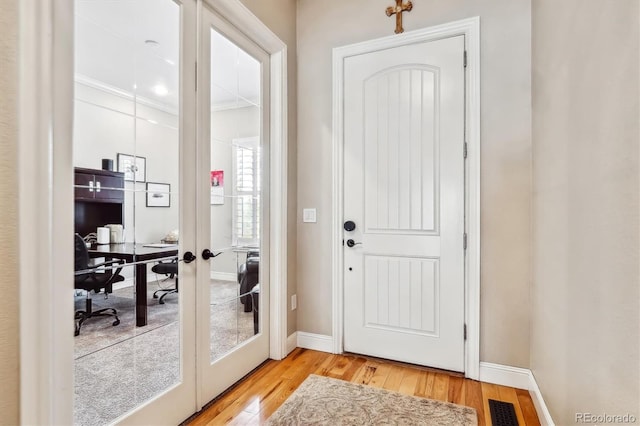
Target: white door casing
(404, 189)
(469, 204)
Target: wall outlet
(294, 302)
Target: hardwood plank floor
(252, 400)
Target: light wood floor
(258, 395)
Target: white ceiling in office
(133, 46)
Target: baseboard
(292, 342)
(317, 342)
(519, 378)
(541, 408)
(504, 375)
(224, 276)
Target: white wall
(106, 124)
(585, 345)
(505, 150)
(227, 125)
(9, 218)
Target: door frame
(45, 176)
(470, 28)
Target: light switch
(309, 215)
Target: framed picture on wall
(217, 187)
(133, 167)
(158, 194)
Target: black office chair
(166, 268)
(248, 276)
(88, 279)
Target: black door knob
(352, 243)
(349, 225)
(188, 257)
(206, 254)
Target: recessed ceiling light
(160, 90)
(152, 43)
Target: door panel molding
(470, 29)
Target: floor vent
(502, 413)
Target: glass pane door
(129, 303)
(236, 287)
(235, 195)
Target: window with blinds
(246, 187)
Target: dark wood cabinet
(101, 186)
(99, 199)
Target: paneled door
(233, 190)
(404, 191)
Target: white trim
(505, 375)
(45, 151)
(106, 88)
(470, 28)
(292, 342)
(224, 276)
(244, 20)
(317, 342)
(541, 407)
(519, 378)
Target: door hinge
(196, 80)
(465, 150)
(464, 59)
(464, 241)
(465, 332)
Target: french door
(134, 136)
(189, 148)
(233, 179)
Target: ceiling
(133, 46)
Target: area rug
(326, 401)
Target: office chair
(166, 268)
(88, 279)
(248, 276)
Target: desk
(135, 253)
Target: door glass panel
(236, 186)
(126, 151)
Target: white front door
(233, 211)
(404, 191)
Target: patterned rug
(326, 401)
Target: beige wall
(585, 324)
(280, 17)
(506, 155)
(9, 363)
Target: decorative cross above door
(397, 10)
